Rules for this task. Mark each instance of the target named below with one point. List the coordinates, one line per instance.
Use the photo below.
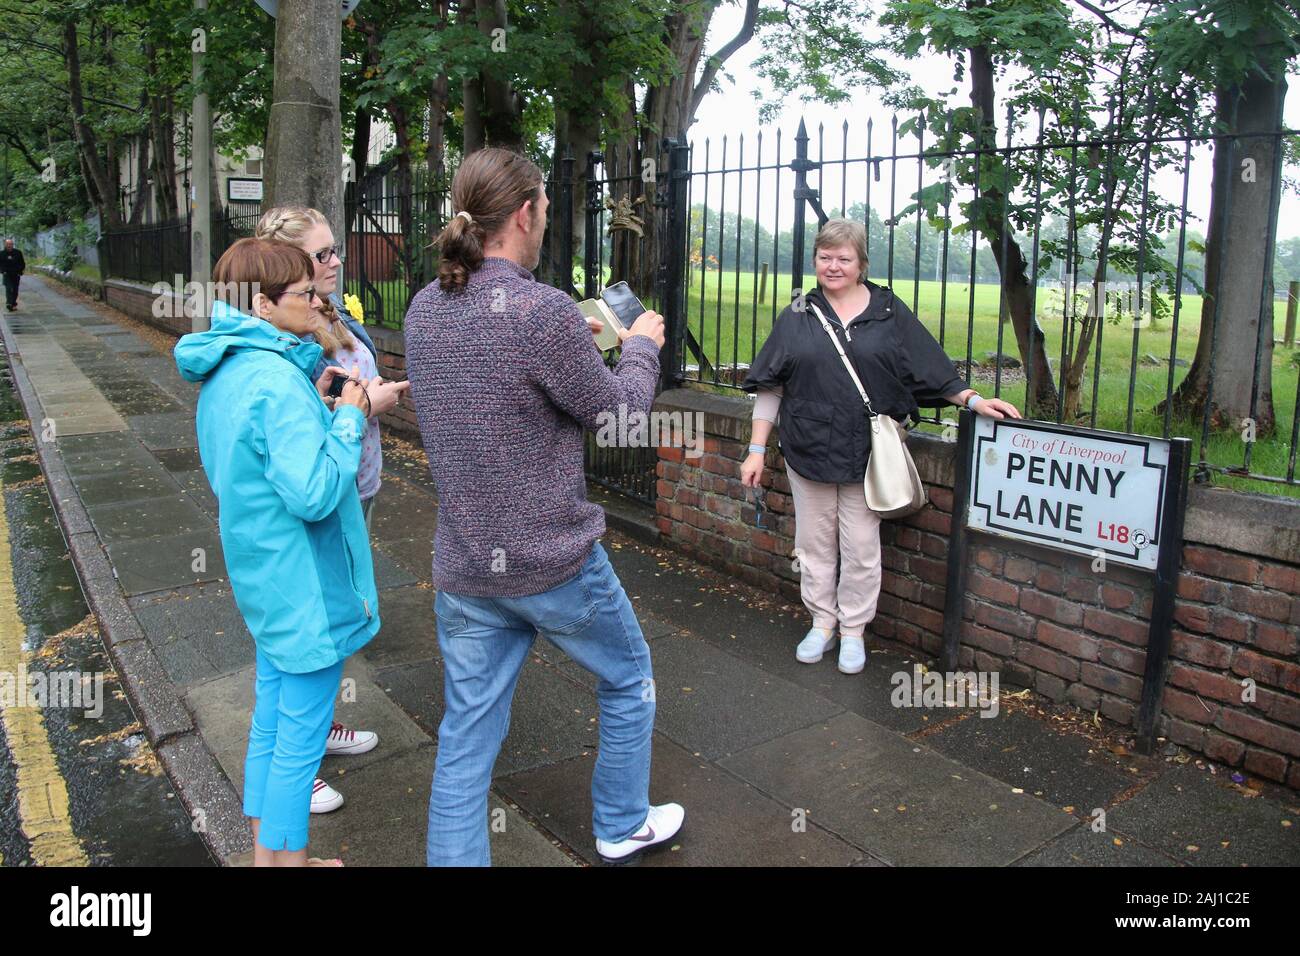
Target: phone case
(623, 302)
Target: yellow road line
(43, 813)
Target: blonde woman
(345, 343)
(825, 435)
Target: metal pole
(1168, 565)
(200, 189)
(954, 598)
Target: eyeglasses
(306, 293)
(325, 255)
(827, 260)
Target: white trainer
(815, 643)
(342, 741)
(324, 798)
(853, 655)
(661, 823)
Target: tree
(1242, 52)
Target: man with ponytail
(505, 377)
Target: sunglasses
(325, 255)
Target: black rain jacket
(12, 262)
(824, 429)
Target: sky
(734, 113)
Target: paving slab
(1064, 769)
(723, 612)
(1084, 847)
(715, 704)
(156, 564)
(409, 632)
(728, 822)
(552, 717)
(1189, 808)
(197, 632)
(127, 485)
(144, 519)
(384, 820)
(165, 430)
(904, 803)
(223, 707)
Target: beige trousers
(833, 526)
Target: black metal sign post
(1173, 510)
(954, 595)
(1169, 562)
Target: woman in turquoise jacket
(283, 468)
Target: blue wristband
(970, 402)
(757, 449)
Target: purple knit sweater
(505, 376)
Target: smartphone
(623, 303)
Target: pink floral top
(372, 456)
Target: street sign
(1075, 489)
(345, 6)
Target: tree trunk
(1243, 223)
(493, 111)
(304, 141)
(87, 145)
(1017, 288)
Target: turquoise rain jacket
(284, 469)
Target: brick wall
(1041, 618)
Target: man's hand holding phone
(650, 324)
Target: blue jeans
(292, 714)
(485, 642)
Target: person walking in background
(344, 342)
(283, 468)
(825, 433)
(505, 376)
(12, 265)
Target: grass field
(727, 320)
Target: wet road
(79, 783)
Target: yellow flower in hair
(353, 305)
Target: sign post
(1109, 496)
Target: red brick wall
(1043, 619)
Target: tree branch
(714, 62)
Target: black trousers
(11, 290)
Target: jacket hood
(199, 353)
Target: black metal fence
(1078, 245)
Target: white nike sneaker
(324, 798)
(661, 823)
(853, 655)
(342, 741)
(816, 643)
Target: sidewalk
(777, 763)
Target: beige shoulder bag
(892, 485)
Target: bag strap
(843, 358)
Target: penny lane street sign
(1106, 495)
(1088, 492)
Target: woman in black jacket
(825, 434)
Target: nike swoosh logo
(645, 839)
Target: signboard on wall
(243, 190)
(273, 6)
(1075, 489)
